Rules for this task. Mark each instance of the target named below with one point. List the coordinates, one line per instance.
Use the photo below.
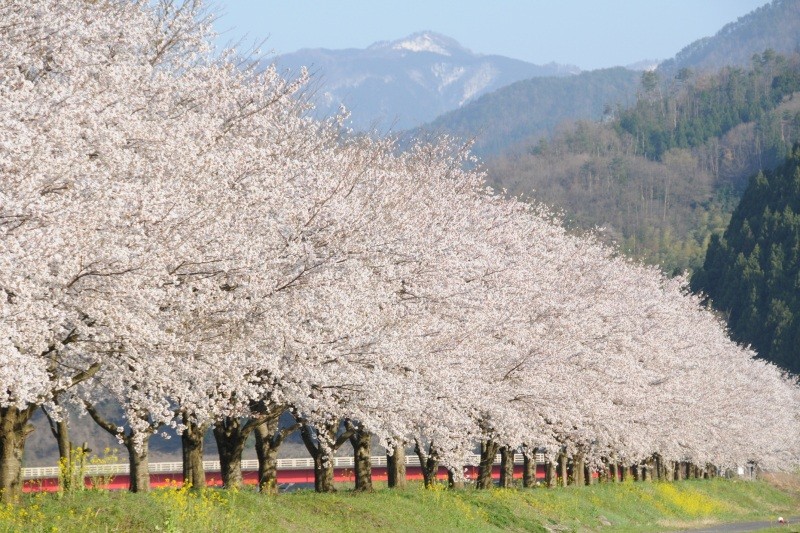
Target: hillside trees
(703, 108)
(751, 272)
(662, 204)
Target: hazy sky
(587, 33)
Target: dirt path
(793, 526)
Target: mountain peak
(424, 41)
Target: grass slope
(607, 507)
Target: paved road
(793, 525)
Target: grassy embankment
(608, 507)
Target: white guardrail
(176, 467)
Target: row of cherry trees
(177, 238)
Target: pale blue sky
(587, 33)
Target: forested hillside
(533, 108)
(772, 26)
(663, 175)
(752, 272)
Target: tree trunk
(453, 482)
(657, 464)
(588, 474)
(269, 437)
(396, 467)
(506, 467)
(529, 470)
(194, 474)
(322, 453)
(488, 453)
(648, 469)
(231, 436)
(578, 466)
(323, 473)
(267, 456)
(14, 429)
(669, 470)
(361, 442)
(626, 472)
(430, 471)
(562, 469)
(550, 477)
(429, 463)
(60, 430)
(71, 459)
(613, 469)
(139, 462)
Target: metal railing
(176, 467)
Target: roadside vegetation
(604, 507)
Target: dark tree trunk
(453, 482)
(562, 469)
(194, 475)
(506, 467)
(60, 430)
(267, 461)
(361, 442)
(578, 466)
(323, 473)
(669, 470)
(429, 463)
(71, 459)
(529, 470)
(139, 462)
(588, 474)
(269, 438)
(231, 436)
(627, 473)
(267, 455)
(323, 454)
(489, 450)
(323, 462)
(14, 429)
(550, 477)
(613, 470)
(396, 467)
(656, 465)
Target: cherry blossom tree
(179, 240)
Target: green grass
(608, 507)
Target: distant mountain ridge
(775, 26)
(535, 108)
(401, 84)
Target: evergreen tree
(752, 272)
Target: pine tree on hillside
(752, 272)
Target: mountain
(534, 107)
(773, 26)
(663, 175)
(397, 85)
